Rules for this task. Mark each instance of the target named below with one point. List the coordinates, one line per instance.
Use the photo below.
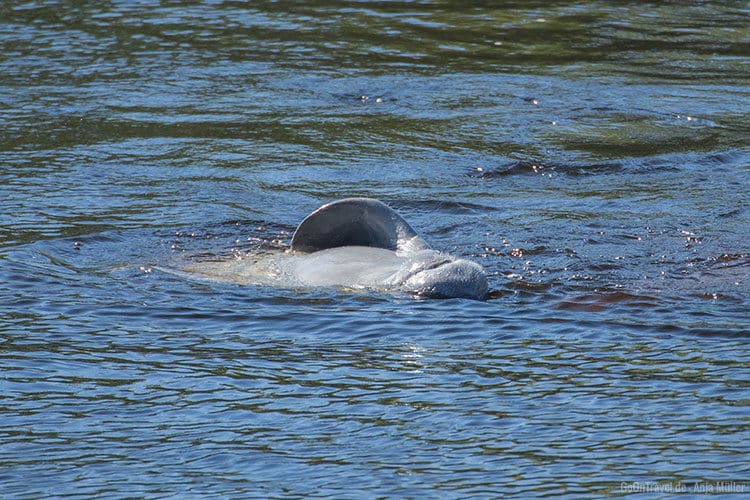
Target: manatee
(355, 243)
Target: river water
(594, 157)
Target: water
(593, 157)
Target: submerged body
(355, 243)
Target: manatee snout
(459, 278)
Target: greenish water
(594, 157)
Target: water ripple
(593, 158)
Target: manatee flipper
(356, 222)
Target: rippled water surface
(594, 157)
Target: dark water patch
(731, 260)
(446, 206)
(605, 299)
(523, 286)
(530, 167)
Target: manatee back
(355, 222)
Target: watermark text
(678, 487)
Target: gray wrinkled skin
(356, 243)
